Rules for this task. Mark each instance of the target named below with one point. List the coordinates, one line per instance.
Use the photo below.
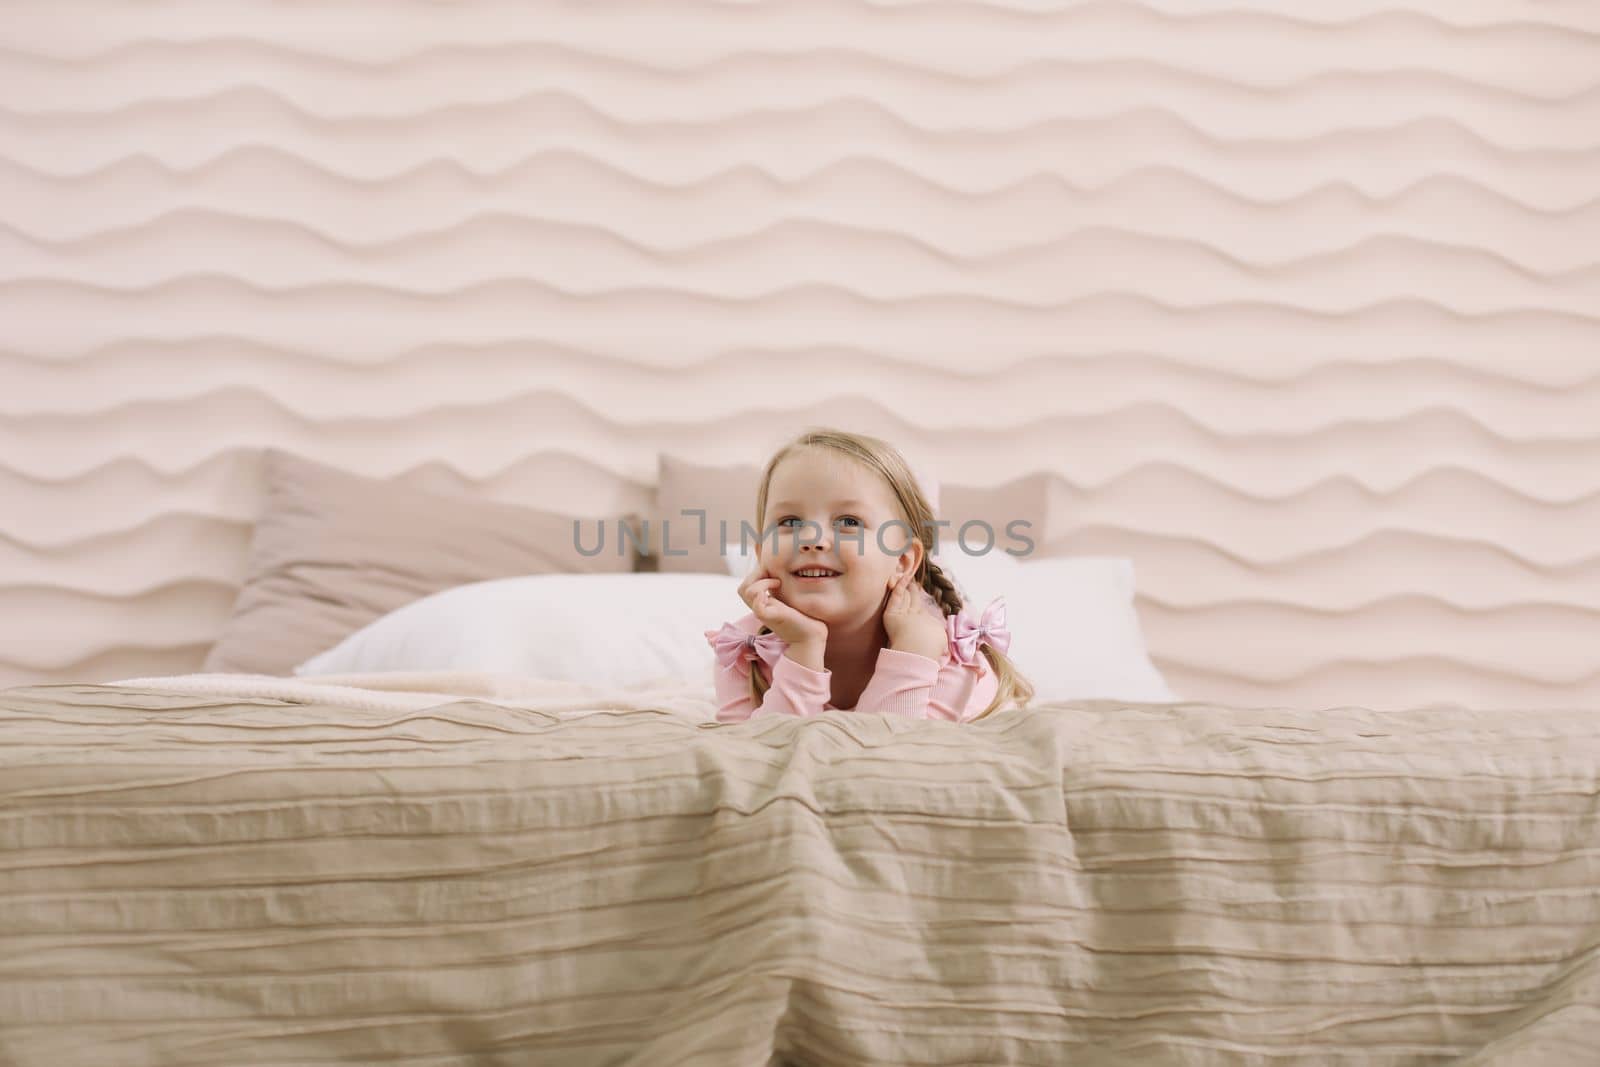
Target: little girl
(847, 611)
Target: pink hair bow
(736, 650)
(966, 636)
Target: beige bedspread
(234, 872)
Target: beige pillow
(729, 493)
(725, 494)
(333, 551)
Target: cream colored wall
(1303, 309)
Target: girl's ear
(910, 559)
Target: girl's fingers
(769, 604)
(771, 611)
(757, 588)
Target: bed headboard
(1300, 312)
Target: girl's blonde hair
(880, 456)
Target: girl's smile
(815, 576)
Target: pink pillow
(334, 551)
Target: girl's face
(831, 512)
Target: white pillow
(1074, 631)
(601, 629)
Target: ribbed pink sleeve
(903, 683)
(908, 684)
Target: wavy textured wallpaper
(1301, 312)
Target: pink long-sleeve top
(904, 683)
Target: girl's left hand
(913, 620)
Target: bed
(471, 868)
(497, 822)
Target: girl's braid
(941, 588)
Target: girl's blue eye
(848, 518)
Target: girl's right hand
(759, 591)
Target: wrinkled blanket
(431, 870)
